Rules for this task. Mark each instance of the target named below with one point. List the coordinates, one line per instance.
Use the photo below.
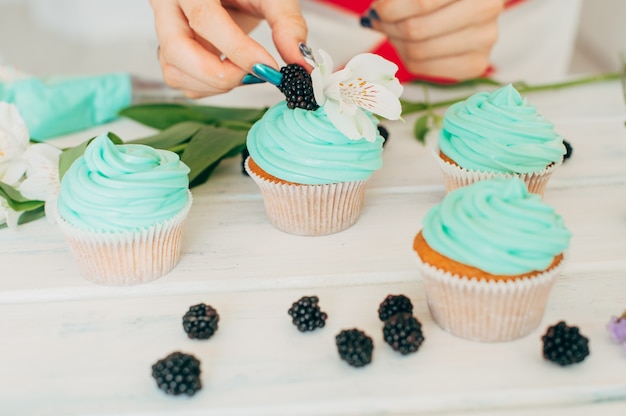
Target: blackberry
(564, 345)
(200, 321)
(244, 156)
(392, 305)
(178, 373)
(297, 86)
(355, 347)
(568, 150)
(306, 314)
(403, 333)
(384, 133)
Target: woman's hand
(204, 48)
(441, 38)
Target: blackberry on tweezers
(297, 86)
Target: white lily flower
(367, 84)
(14, 139)
(42, 181)
(7, 215)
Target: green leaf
(28, 216)
(172, 136)
(68, 156)
(16, 200)
(162, 116)
(421, 128)
(208, 147)
(32, 215)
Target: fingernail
(366, 22)
(251, 79)
(305, 51)
(373, 14)
(267, 73)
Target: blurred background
(75, 37)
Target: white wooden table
(70, 347)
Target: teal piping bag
(53, 107)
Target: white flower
(14, 140)
(42, 181)
(7, 214)
(366, 84)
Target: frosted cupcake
(122, 210)
(498, 134)
(490, 254)
(312, 165)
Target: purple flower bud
(617, 329)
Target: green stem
(523, 88)
(178, 148)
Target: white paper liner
(311, 210)
(457, 177)
(126, 257)
(489, 311)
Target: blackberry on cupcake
(297, 86)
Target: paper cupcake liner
(311, 210)
(489, 311)
(126, 257)
(457, 177)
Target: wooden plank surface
(72, 347)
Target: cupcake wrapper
(457, 177)
(126, 257)
(489, 311)
(311, 210)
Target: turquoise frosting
(304, 147)
(499, 132)
(119, 187)
(497, 226)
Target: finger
(180, 50)
(471, 39)
(192, 87)
(457, 67)
(396, 10)
(451, 18)
(212, 22)
(288, 27)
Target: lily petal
(12, 171)
(377, 70)
(373, 98)
(7, 215)
(42, 181)
(355, 126)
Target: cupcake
(498, 134)
(490, 254)
(311, 164)
(122, 210)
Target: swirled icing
(118, 187)
(499, 132)
(497, 226)
(304, 147)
